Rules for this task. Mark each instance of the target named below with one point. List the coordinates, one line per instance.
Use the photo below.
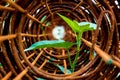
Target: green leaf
(60, 67)
(40, 79)
(0, 64)
(48, 23)
(63, 69)
(50, 44)
(86, 26)
(92, 25)
(78, 28)
(95, 54)
(72, 24)
(43, 19)
(51, 59)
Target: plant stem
(79, 36)
(69, 59)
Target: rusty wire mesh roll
(20, 28)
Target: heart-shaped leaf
(50, 44)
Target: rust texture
(21, 26)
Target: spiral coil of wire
(24, 22)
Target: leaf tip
(27, 49)
(58, 13)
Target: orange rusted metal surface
(21, 25)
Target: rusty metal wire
(21, 26)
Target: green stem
(78, 50)
(69, 59)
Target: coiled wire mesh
(21, 25)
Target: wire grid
(21, 25)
